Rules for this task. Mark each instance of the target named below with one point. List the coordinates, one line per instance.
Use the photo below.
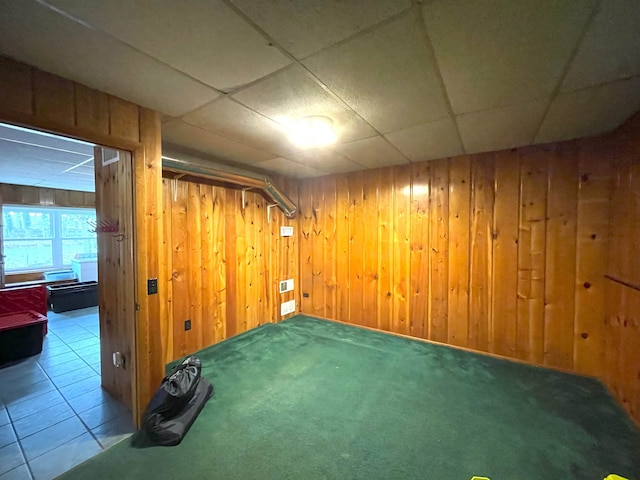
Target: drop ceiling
(404, 81)
(28, 157)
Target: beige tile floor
(53, 413)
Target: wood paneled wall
(621, 332)
(50, 197)
(500, 252)
(223, 263)
(33, 98)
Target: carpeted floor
(312, 399)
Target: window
(41, 238)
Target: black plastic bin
(21, 335)
(63, 298)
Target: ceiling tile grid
(591, 111)
(403, 81)
(202, 38)
(501, 128)
(179, 133)
(325, 159)
(303, 28)
(428, 141)
(610, 49)
(494, 53)
(290, 168)
(292, 93)
(237, 122)
(57, 44)
(385, 75)
(372, 152)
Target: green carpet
(312, 399)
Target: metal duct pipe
(187, 164)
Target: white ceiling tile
(326, 160)
(501, 128)
(19, 178)
(386, 75)
(591, 111)
(205, 39)
(13, 152)
(36, 166)
(611, 47)
(494, 53)
(428, 141)
(54, 142)
(196, 138)
(38, 36)
(292, 93)
(289, 168)
(371, 152)
(235, 121)
(311, 25)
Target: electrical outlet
(187, 325)
(286, 285)
(286, 231)
(152, 286)
(287, 307)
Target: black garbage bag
(176, 404)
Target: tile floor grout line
(76, 414)
(36, 365)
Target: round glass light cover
(313, 131)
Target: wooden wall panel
(385, 250)
(305, 224)
(114, 188)
(401, 250)
(621, 358)
(421, 182)
(224, 263)
(32, 98)
(619, 342)
(531, 255)
(16, 91)
(370, 267)
(357, 244)
(439, 251)
(53, 98)
(342, 239)
(593, 245)
(481, 251)
(560, 285)
(505, 253)
(319, 278)
(330, 247)
(502, 232)
(459, 241)
(25, 195)
(501, 252)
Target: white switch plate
(286, 285)
(286, 231)
(287, 307)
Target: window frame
(56, 237)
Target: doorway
(74, 380)
(68, 214)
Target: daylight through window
(42, 238)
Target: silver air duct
(189, 165)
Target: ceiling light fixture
(313, 131)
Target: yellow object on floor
(484, 478)
(613, 476)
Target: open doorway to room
(57, 227)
